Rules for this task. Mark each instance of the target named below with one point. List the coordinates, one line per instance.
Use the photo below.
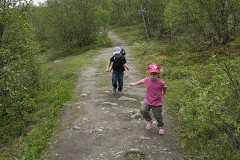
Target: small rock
(58, 61)
(119, 152)
(137, 115)
(85, 119)
(130, 112)
(142, 137)
(76, 128)
(123, 98)
(109, 103)
(134, 150)
(99, 130)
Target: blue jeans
(117, 77)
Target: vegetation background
(196, 43)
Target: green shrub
(209, 117)
(19, 73)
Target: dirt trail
(100, 126)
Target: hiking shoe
(119, 92)
(114, 90)
(149, 124)
(161, 130)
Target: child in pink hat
(155, 89)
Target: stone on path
(134, 154)
(76, 128)
(108, 103)
(123, 98)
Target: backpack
(123, 52)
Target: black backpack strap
(126, 67)
(124, 64)
(112, 63)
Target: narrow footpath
(100, 125)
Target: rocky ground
(100, 125)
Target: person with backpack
(119, 67)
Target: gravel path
(100, 125)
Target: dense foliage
(209, 112)
(19, 73)
(206, 23)
(71, 22)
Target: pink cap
(153, 68)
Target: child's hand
(132, 84)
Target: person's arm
(108, 66)
(136, 83)
(164, 90)
(126, 70)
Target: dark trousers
(117, 80)
(157, 112)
